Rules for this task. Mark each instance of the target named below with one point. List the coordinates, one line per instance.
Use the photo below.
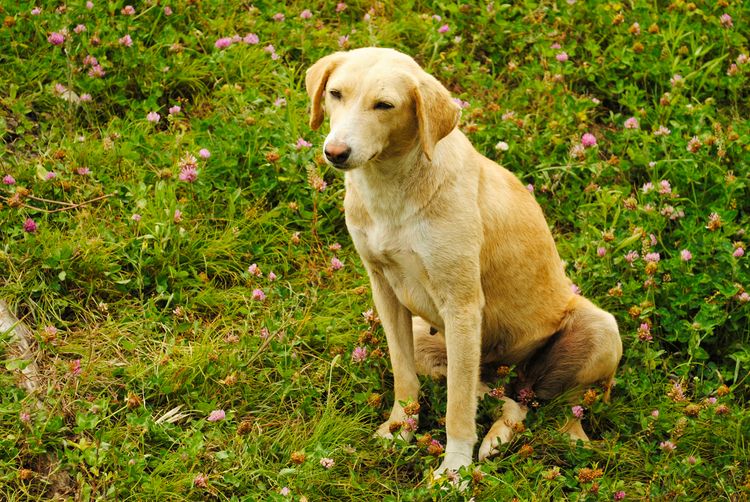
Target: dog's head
(381, 105)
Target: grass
(131, 263)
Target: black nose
(338, 154)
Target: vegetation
(173, 238)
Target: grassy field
(173, 239)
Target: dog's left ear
(315, 82)
(437, 113)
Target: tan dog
(451, 237)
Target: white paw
(500, 433)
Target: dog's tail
(430, 354)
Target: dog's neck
(396, 188)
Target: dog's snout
(337, 153)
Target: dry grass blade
(172, 416)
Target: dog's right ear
(315, 82)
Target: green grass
(159, 311)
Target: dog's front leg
(397, 323)
(463, 342)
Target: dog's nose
(337, 152)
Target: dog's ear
(315, 82)
(437, 113)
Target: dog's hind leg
(585, 351)
(503, 430)
(430, 354)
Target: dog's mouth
(345, 166)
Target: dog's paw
(397, 428)
(500, 433)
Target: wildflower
(502, 146)
(126, 41)
(336, 264)
(588, 140)
(552, 474)
(676, 393)
(271, 276)
(254, 269)
(556, 45)
(188, 174)
(201, 481)
(75, 367)
(327, 462)
(743, 297)
(562, 56)
(694, 144)
(79, 29)
(665, 187)
(635, 29)
(739, 252)
(662, 131)
(278, 17)
(174, 110)
(410, 424)
(601, 252)
(223, 43)
(96, 71)
(264, 333)
(9, 180)
(285, 491)
(435, 448)
(56, 38)
(644, 332)
(655, 413)
(24, 417)
(530, 188)
(136, 217)
(732, 71)
(89, 5)
(301, 143)
(83, 171)
(204, 153)
(343, 40)
(647, 187)
(297, 457)
(652, 257)
(444, 29)
(577, 411)
(667, 446)
(726, 20)
(619, 495)
(295, 238)
(578, 151)
(90, 60)
(575, 289)
(714, 222)
(153, 117)
(279, 102)
(631, 123)
(177, 218)
(340, 7)
(691, 460)
(29, 226)
(306, 14)
(259, 295)
(631, 257)
(251, 38)
(216, 415)
(85, 97)
(128, 10)
(686, 255)
(359, 354)
(167, 10)
(677, 80)
(742, 59)
(587, 475)
(36, 11)
(722, 409)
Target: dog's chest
(392, 252)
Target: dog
(453, 241)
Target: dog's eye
(382, 105)
(335, 93)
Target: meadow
(203, 328)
